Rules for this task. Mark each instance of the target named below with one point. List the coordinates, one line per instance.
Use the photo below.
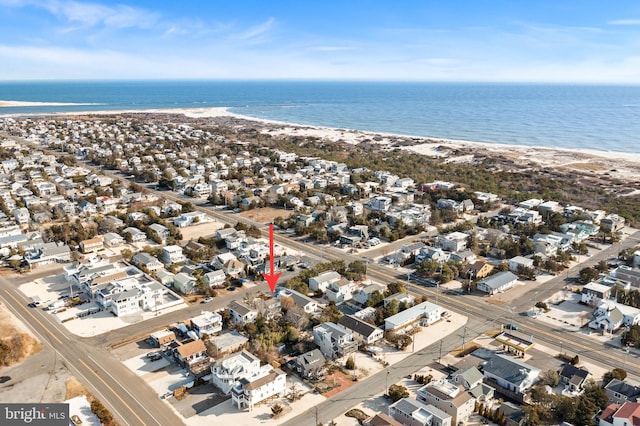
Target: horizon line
(317, 80)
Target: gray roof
(500, 279)
(124, 295)
(623, 388)
(311, 358)
(299, 298)
(514, 372)
(143, 258)
(470, 374)
(239, 307)
(355, 324)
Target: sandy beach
(621, 165)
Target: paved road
(128, 397)
(104, 374)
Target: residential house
(498, 283)
(449, 397)
(134, 234)
(191, 352)
(573, 377)
(307, 304)
(620, 391)
(111, 239)
(455, 241)
(189, 219)
(401, 298)
(593, 293)
(207, 323)
(321, 282)
(510, 376)
(334, 341)
(610, 315)
(340, 291)
(215, 279)
(311, 365)
(362, 296)
(86, 208)
(184, 283)
(627, 414)
(165, 277)
(362, 331)
(172, 254)
(381, 419)
(425, 313)
(250, 392)
(411, 412)
(472, 380)
(106, 204)
(518, 262)
(227, 343)
(241, 313)
(227, 372)
(22, 216)
(160, 231)
(92, 245)
(613, 222)
(147, 261)
(476, 270)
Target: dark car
(511, 327)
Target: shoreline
(584, 159)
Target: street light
(386, 384)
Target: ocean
(596, 117)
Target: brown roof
(629, 411)
(191, 348)
(462, 396)
(382, 419)
(95, 240)
(256, 384)
(120, 275)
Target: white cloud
(86, 14)
(624, 22)
(256, 31)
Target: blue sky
(422, 40)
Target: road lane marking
(46, 329)
(92, 371)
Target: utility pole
(440, 352)
(464, 337)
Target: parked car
(207, 300)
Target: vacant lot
(265, 214)
(16, 343)
(201, 230)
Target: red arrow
(271, 278)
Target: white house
(333, 340)
(340, 291)
(227, 372)
(241, 313)
(321, 282)
(215, 279)
(426, 313)
(518, 262)
(510, 374)
(498, 283)
(250, 392)
(172, 254)
(207, 323)
(362, 331)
